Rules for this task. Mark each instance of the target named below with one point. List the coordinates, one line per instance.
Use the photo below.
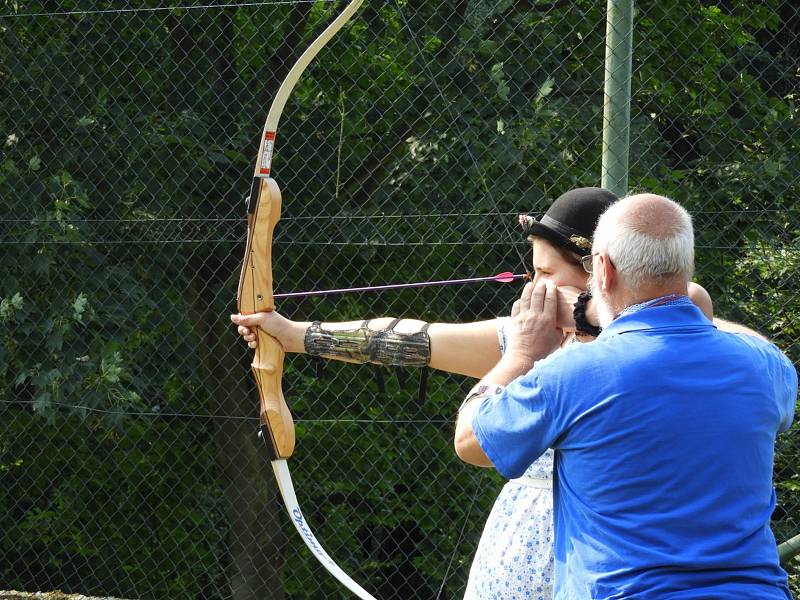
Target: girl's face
(551, 263)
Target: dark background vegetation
(129, 464)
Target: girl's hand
(271, 323)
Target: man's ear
(608, 275)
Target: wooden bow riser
(255, 295)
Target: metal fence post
(617, 95)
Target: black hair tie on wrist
(579, 314)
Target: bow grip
(255, 295)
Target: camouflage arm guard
(385, 347)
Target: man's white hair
(648, 238)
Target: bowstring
(457, 544)
(470, 154)
(262, 419)
(482, 178)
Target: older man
(664, 427)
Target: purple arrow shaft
(397, 286)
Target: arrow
(505, 277)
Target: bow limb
(255, 295)
(264, 164)
(281, 470)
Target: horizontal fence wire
(129, 458)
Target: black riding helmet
(570, 221)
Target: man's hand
(533, 331)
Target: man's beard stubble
(605, 314)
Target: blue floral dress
(514, 559)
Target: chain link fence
(129, 464)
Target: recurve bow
(255, 295)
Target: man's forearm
(506, 370)
(465, 443)
(467, 447)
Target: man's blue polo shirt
(664, 429)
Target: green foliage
(404, 154)
(770, 301)
(125, 514)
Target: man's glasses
(587, 262)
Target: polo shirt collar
(658, 317)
